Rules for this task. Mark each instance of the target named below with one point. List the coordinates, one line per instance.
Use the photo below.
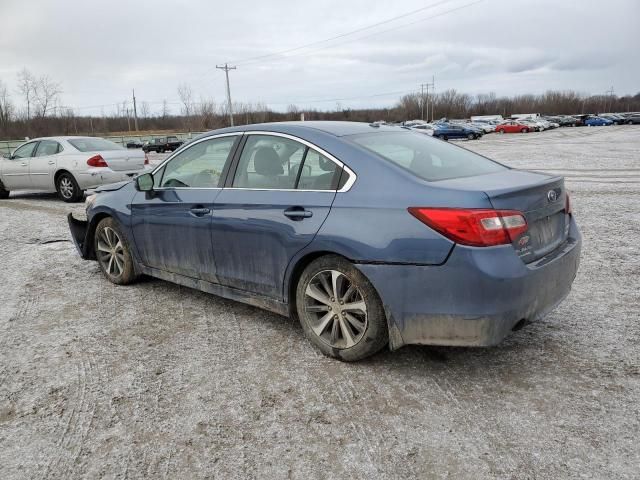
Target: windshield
(425, 157)
(94, 144)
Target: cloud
(99, 51)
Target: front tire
(68, 189)
(339, 310)
(4, 194)
(471, 136)
(113, 253)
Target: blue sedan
(369, 235)
(597, 122)
(446, 131)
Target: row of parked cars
(158, 145)
(476, 127)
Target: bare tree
(144, 110)
(27, 87)
(46, 93)
(6, 107)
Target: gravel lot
(156, 380)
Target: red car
(512, 126)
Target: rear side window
(318, 173)
(94, 144)
(425, 157)
(269, 162)
(48, 147)
(278, 163)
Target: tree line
(35, 109)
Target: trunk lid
(124, 160)
(541, 198)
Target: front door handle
(297, 213)
(51, 162)
(23, 164)
(200, 211)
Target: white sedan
(68, 165)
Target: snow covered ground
(156, 380)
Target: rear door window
(426, 157)
(318, 173)
(48, 147)
(269, 162)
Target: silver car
(68, 165)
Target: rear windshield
(426, 157)
(94, 144)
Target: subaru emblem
(552, 196)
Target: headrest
(326, 165)
(267, 162)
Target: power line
(260, 59)
(247, 61)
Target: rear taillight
(146, 159)
(97, 161)
(567, 206)
(474, 227)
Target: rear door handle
(200, 211)
(23, 164)
(51, 162)
(297, 213)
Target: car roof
(338, 129)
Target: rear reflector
(474, 227)
(97, 161)
(146, 159)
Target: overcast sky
(99, 50)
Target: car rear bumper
(477, 297)
(103, 175)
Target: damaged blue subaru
(370, 235)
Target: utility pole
(422, 97)
(135, 111)
(226, 69)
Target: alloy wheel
(110, 252)
(335, 309)
(66, 187)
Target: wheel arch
(91, 231)
(60, 172)
(295, 271)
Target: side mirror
(144, 182)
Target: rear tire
(471, 136)
(339, 310)
(68, 189)
(501, 131)
(113, 252)
(524, 130)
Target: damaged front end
(79, 230)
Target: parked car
(597, 122)
(632, 119)
(513, 126)
(486, 127)
(68, 165)
(135, 143)
(533, 125)
(368, 235)
(425, 128)
(162, 144)
(447, 131)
